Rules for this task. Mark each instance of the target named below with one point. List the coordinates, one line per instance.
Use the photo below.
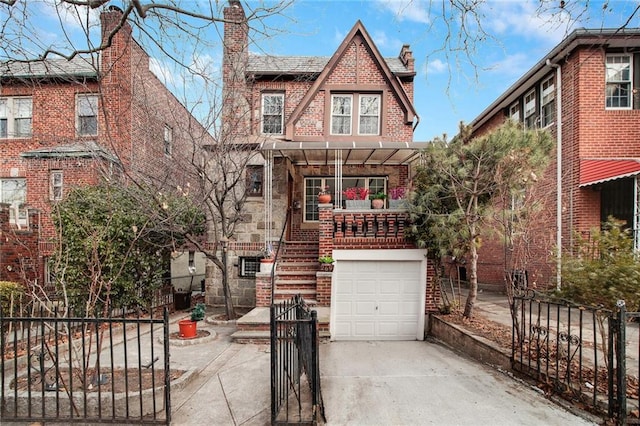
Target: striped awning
(594, 171)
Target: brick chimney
(406, 56)
(112, 58)
(235, 57)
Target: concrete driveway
(423, 383)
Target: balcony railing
(369, 224)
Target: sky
(451, 85)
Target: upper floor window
(547, 102)
(367, 114)
(618, 81)
(272, 113)
(369, 123)
(341, 114)
(514, 111)
(87, 115)
(168, 140)
(255, 176)
(15, 117)
(13, 191)
(530, 109)
(55, 185)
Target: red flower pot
(187, 329)
(324, 198)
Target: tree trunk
(473, 282)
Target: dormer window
(367, 114)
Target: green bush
(9, 291)
(603, 269)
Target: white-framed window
(530, 109)
(618, 81)
(514, 111)
(168, 140)
(369, 115)
(341, 110)
(547, 102)
(55, 185)
(313, 185)
(15, 117)
(87, 115)
(272, 113)
(13, 191)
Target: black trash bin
(182, 300)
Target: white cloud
(407, 10)
(512, 66)
(436, 66)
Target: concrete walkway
(363, 383)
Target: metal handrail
(275, 259)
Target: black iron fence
(83, 370)
(580, 353)
(295, 369)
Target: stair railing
(275, 260)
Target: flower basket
(324, 198)
(326, 267)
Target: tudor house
(586, 92)
(68, 123)
(341, 124)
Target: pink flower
(356, 193)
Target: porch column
(337, 175)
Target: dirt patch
(118, 381)
(491, 330)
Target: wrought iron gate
(295, 367)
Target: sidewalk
(363, 383)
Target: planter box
(358, 204)
(398, 204)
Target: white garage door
(376, 300)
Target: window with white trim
(547, 102)
(168, 140)
(369, 112)
(313, 185)
(618, 82)
(15, 117)
(514, 111)
(530, 109)
(272, 113)
(341, 106)
(13, 191)
(55, 185)
(87, 115)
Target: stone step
(254, 326)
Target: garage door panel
(377, 300)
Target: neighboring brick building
(333, 123)
(67, 123)
(586, 93)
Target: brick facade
(589, 131)
(133, 109)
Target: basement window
(248, 266)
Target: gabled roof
(594, 171)
(89, 149)
(357, 30)
(300, 65)
(78, 66)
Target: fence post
(315, 356)
(621, 367)
(274, 358)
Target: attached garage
(378, 295)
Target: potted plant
(324, 196)
(326, 263)
(356, 198)
(268, 257)
(397, 196)
(377, 200)
(188, 329)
